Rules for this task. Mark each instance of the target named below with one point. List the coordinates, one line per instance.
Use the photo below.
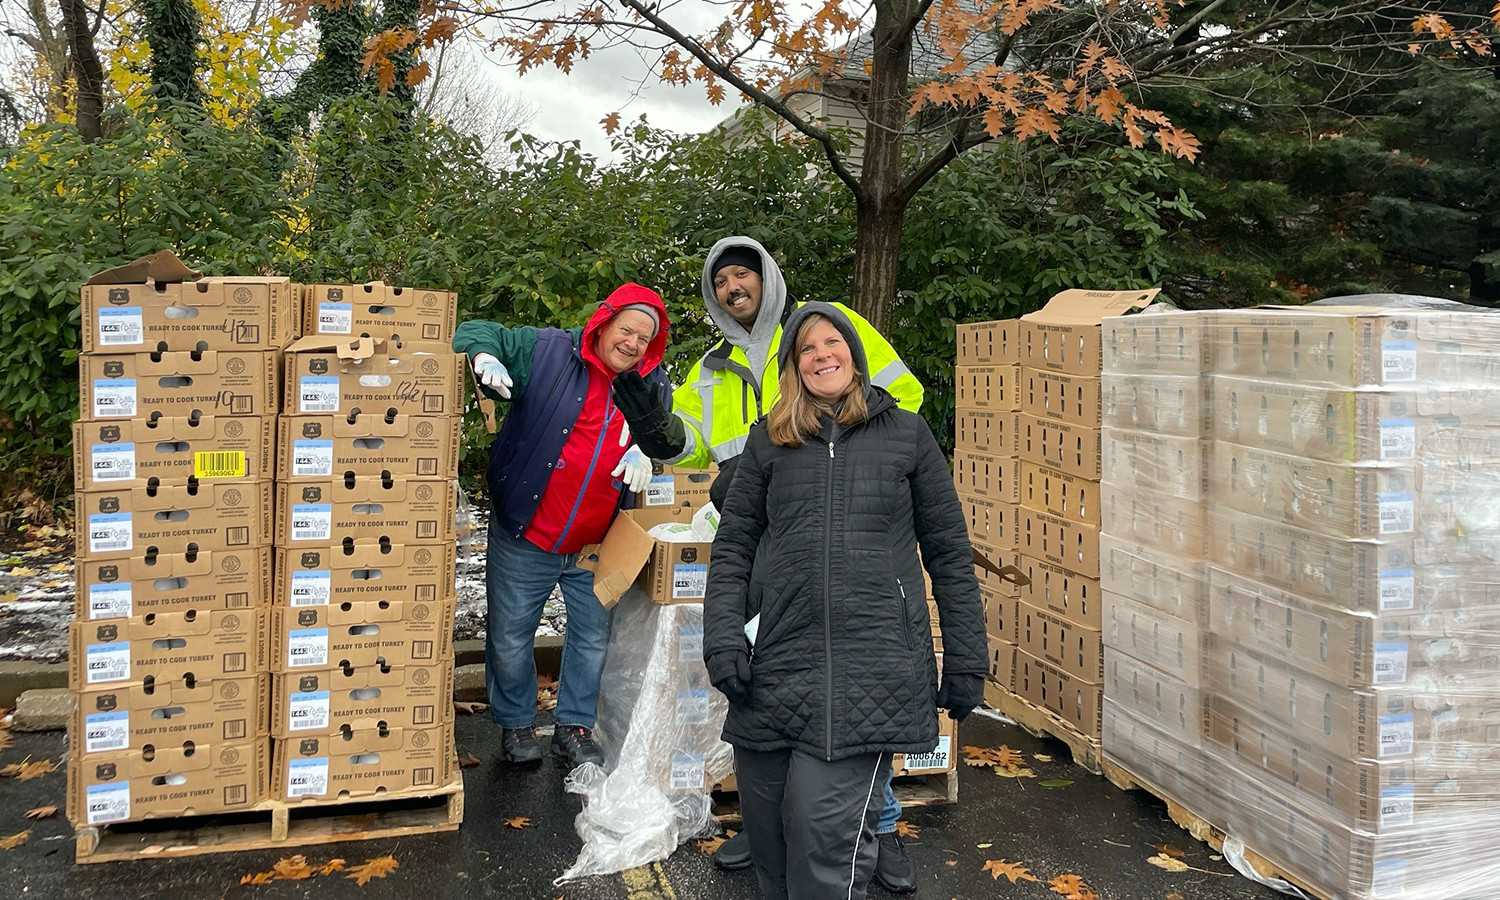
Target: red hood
(623, 296)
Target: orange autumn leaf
(518, 822)
(907, 829)
(610, 122)
(711, 845)
(258, 878)
(372, 868)
(1072, 887)
(1015, 871)
(15, 840)
(25, 771)
(292, 868)
(333, 865)
(468, 761)
(1033, 122)
(41, 812)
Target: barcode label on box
(312, 588)
(107, 803)
(220, 464)
(112, 462)
(318, 393)
(1398, 806)
(1390, 663)
(104, 663)
(335, 318)
(1398, 361)
(312, 458)
(106, 731)
(307, 647)
(687, 771)
(1398, 589)
(121, 327)
(312, 521)
(110, 532)
(1398, 438)
(1398, 512)
(308, 711)
(661, 491)
(692, 706)
(114, 398)
(689, 580)
(1397, 735)
(936, 758)
(110, 601)
(689, 643)
(307, 777)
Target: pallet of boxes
(1303, 656)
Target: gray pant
(811, 823)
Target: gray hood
(785, 354)
(756, 342)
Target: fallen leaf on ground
(379, 867)
(1072, 887)
(1041, 757)
(1169, 850)
(41, 812)
(950, 862)
(15, 840)
(1014, 772)
(468, 761)
(1173, 895)
(1056, 782)
(469, 708)
(992, 756)
(23, 572)
(25, 771)
(60, 567)
(1015, 871)
(711, 845)
(518, 822)
(292, 868)
(7, 598)
(546, 683)
(1170, 863)
(258, 878)
(5, 740)
(984, 846)
(333, 865)
(907, 829)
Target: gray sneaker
(573, 745)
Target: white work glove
(492, 373)
(634, 469)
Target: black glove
(729, 671)
(960, 693)
(658, 433)
(718, 492)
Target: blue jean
(890, 813)
(518, 579)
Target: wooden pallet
(1200, 828)
(274, 825)
(1039, 722)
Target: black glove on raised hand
(959, 693)
(658, 433)
(729, 671)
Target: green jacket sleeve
(512, 346)
(688, 407)
(886, 368)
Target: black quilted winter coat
(843, 662)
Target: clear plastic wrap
(659, 723)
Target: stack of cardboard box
(174, 455)
(361, 627)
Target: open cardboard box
(668, 572)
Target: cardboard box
(991, 432)
(1161, 340)
(363, 571)
(365, 633)
(675, 487)
(1064, 446)
(1335, 498)
(363, 763)
(167, 783)
(235, 313)
(366, 508)
(987, 387)
(172, 582)
(117, 653)
(1173, 767)
(991, 522)
(1063, 336)
(943, 758)
(1176, 466)
(1168, 523)
(1160, 404)
(1002, 667)
(318, 448)
(210, 515)
(1054, 491)
(989, 343)
(1067, 645)
(1077, 703)
(1176, 585)
(380, 311)
(982, 475)
(1067, 594)
(1061, 397)
(1001, 616)
(373, 376)
(169, 715)
(1165, 701)
(668, 572)
(179, 383)
(1072, 545)
(1170, 644)
(365, 698)
(132, 452)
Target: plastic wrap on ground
(659, 723)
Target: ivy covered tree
(174, 31)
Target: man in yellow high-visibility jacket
(733, 385)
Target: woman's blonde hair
(797, 412)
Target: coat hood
(756, 341)
(619, 298)
(840, 321)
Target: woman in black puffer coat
(845, 486)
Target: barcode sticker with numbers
(114, 398)
(312, 521)
(1398, 512)
(312, 458)
(1398, 361)
(1397, 735)
(312, 588)
(335, 318)
(110, 532)
(220, 464)
(1398, 589)
(307, 777)
(309, 711)
(104, 663)
(1390, 663)
(121, 326)
(936, 758)
(662, 491)
(687, 771)
(1398, 806)
(689, 580)
(307, 647)
(106, 731)
(107, 802)
(112, 462)
(689, 643)
(318, 393)
(692, 706)
(110, 601)
(1398, 438)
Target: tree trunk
(881, 204)
(88, 73)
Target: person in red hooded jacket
(560, 468)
